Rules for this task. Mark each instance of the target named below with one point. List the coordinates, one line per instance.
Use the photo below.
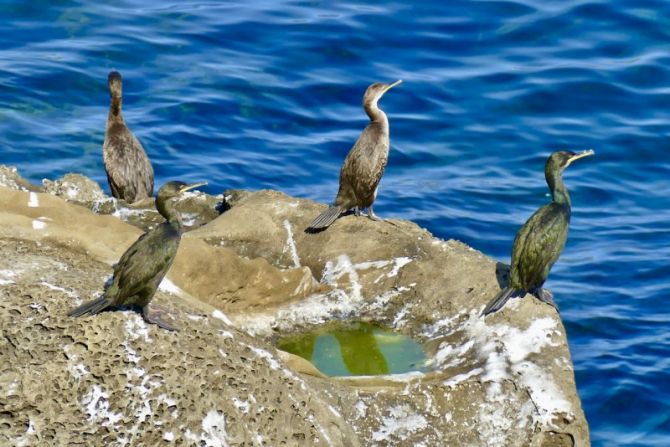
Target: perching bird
(128, 168)
(363, 168)
(142, 267)
(540, 241)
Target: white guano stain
(6, 277)
(333, 272)
(345, 300)
(398, 263)
(221, 316)
(506, 352)
(168, 286)
(33, 200)
(214, 430)
(96, 403)
(40, 223)
(400, 424)
(136, 328)
(290, 244)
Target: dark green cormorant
(540, 241)
(128, 168)
(363, 168)
(142, 267)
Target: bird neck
(376, 114)
(115, 115)
(559, 192)
(168, 210)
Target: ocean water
(266, 94)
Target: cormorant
(363, 168)
(540, 241)
(142, 267)
(128, 168)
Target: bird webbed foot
(546, 297)
(373, 216)
(152, 315)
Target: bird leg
(357, 211)
(545, 296)
(152, 315)
(373, 216)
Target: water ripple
(268, 94)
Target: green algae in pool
(356, 349)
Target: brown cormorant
(128, 168)
(540, 241)
(142, 267)
(363, 168)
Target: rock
(10, 178)
(112, 380)
(220, 277)
(75, 188)
(506, 380)
(197, 208)
(42, 218)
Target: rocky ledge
(245, 274)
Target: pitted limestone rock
(196, 207)
(10, 178)
(75, 188)
(110, 379)
(506, 380)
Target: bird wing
(144, 166)
(150, 256)
(537, 246)
(128, 168)
(116, 165)
(364, 166)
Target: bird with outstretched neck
(143, 266)
(540, 241)
(363, 168)
(129, 171)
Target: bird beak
(192, 186)
(390, 86)
(582, 154)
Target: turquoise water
(357, 349)
(266, 94)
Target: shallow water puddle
(357, 349)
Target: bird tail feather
(90, 308)
(499, 301)
(326, 218)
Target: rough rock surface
(507, 380)
(503, 381)
(196, 207)
(10, 178)
(113, 380)
(75, 188)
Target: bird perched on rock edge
(540, 241)
(143, 266)
(364, 165)
(129, 171)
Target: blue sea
(267, 94)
